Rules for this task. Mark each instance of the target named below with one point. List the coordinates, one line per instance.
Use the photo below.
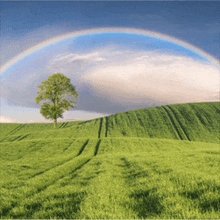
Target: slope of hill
(158, 163)
(194, 122)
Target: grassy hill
(194, 122)
(160, 162)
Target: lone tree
(57, 94)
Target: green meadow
(155, 163)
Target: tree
(58, 95)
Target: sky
(113, 70)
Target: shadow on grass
(57, 207)
(207, 202)
(133, 172)
(68, 206)
(147, 204)
(210, 204)
(192, 194)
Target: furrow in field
(83, 147)
(172, 122)
(11, 138)
(63, 125)
(40, 183)
(175, 123)
(20, 137)
(18, 129)
(71, 157)
(63, 163)
(100, 128)
(140, 120)
(79, 163)
(106, 127)
(32, 192)
(208, 120)
(7, 128)
(62, 169)
(68, 193)
(97, 147)
(107, 194)
(177, 117)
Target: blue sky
(104, 66)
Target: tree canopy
(57, 95)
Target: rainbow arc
(66, 36)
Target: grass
(158, 163)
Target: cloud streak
(89, 57)
(161, 77)
(4, 119)
(113, 79)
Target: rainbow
(107, 30)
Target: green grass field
(161, 163)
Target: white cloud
(124, 80)
(89, 57)
(162, 77)
(4, 119)
(77, 115)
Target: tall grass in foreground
(128, 178)
(160, 163)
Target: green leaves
(56, 92)
(50, 111)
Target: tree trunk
(55, 119)
(55, 123)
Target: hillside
(194, 122)
(160, 163)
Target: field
(160, 163)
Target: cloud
(114, 79)
(4, 119)
(162, 77)
(80, 115)
(89, 57)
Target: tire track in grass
(66, 161)
(14, 138)
(31, 193)
(180, 124)
(138, 116)
(206, 122)
(175, 129)
(57, 165)
(174, 122)
(100, 128)
(49, 178)
(140, 124)
(62, 125)
(19, 127)
(20, 137)
(83, 147)
(97, 147)
(106, 129)
(83, 160)
(48, 193)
